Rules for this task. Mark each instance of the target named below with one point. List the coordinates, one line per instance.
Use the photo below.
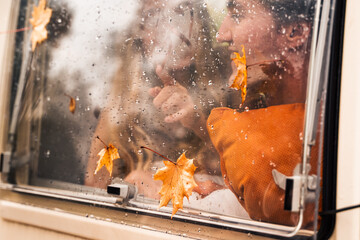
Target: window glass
(224, 82)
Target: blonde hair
(129, 111)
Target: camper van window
(144, 103)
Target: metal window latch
(122, 189)
(292, 187)
(5, 162)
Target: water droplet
(59, 20)
(246, 109)
(253, 162)
(272, 149)
(47, 153)
(210, 82)
(301, 136)
(77, 98)
(48, 99)
(246, 136)
(126, 214)
(195, 107)
(212, 126)
(87, 108)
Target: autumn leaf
(107, 156)
(240, 80)
(72, 104)
(40, 18)
(178, 182)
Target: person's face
(165, 28)
(249, 24)
(150, 19)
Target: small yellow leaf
(240, 81)
(178, 182)
(40, 18)
(72, 104)
(107, 156)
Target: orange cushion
(251, 144)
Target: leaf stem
(259, 63)
(102, 141)
(159, 154)
(16, 30)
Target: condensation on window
(222, 81)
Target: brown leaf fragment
(106, 157)
(72, 104)
(40, 18)
(178, 182)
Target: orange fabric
(250, 145)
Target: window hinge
(292, 187)
(122, 189)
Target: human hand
(173, 100)
(204, 188)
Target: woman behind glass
(166, 85)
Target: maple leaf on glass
(240, 81)
(40, 18)
(106, 157)
(178, 182)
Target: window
(238, 86)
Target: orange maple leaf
(178, 181)
(107, 156)
(240, 81)
(40, 18)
